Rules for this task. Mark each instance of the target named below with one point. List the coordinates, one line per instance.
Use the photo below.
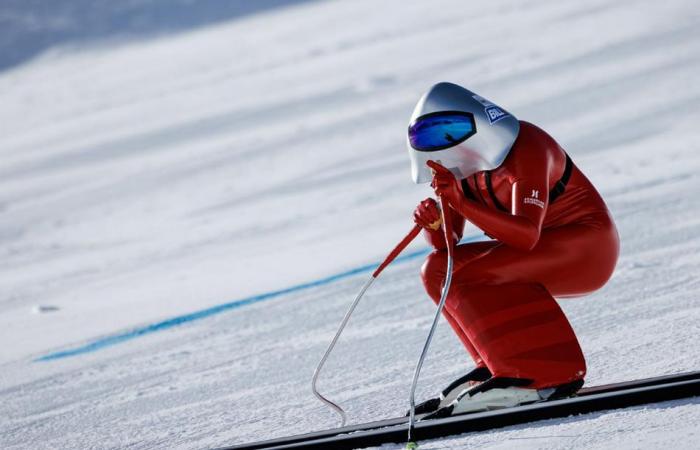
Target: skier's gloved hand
(445, 183)
(427, 214)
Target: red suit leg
(457, 328)
(520, 331)
(501, 299)
(433, 275)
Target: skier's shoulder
(533, 154)
(528, 145)
(534, 136)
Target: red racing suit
(552, 236)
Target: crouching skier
(552, 236)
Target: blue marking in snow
(114, 339)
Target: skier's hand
(445, 184)
(427, 214)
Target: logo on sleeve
(534, 199)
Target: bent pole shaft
(447, 221)
(392, 255)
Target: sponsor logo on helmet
(494, 114)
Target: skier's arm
(520, 229)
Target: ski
(588, 399)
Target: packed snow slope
(161, 198)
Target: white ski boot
(451, 392)
(499, 393)
(497, 398)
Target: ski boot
(450, 393)
(501, 392)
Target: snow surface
(145, 179)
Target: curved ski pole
(447, 221)
(392, 255)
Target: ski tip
(412, 446)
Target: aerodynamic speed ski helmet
(463, 131)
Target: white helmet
(464, 132)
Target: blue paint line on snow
(114, 339)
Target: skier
(551, 235)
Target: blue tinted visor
(441, 130)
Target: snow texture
(194, 165)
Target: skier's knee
(433, 272)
